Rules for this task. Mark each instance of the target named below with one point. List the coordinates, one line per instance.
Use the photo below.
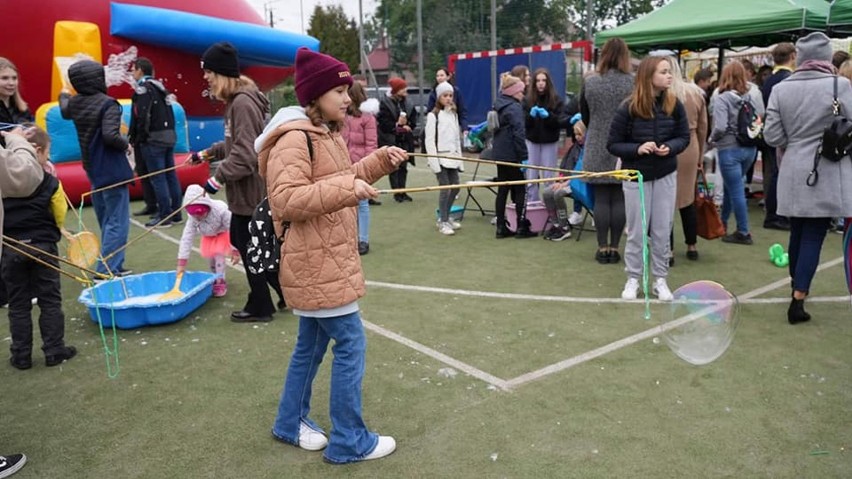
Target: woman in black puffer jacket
(648, 132)
(509, 145)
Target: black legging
(519, 193)
(609, 214)
(689, 218)
(259, 301)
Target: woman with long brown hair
(602, 93)
(734, 158)
(647, 133)
(246, 111)
(544, 115)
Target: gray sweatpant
(447, 176)
(659, 209)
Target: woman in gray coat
(800, 108)
(602, 93)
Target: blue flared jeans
(350, 440)
(734, 163)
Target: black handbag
(836, 140)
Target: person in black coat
(397, 120)
(509, 145)
(784, 56)
(647, 133)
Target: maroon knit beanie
(397, 84)
(317, 73)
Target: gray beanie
(814, 46)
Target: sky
(287, 13)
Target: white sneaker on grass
(454, 224)
(661, 289)
(446, 229)
(310, 439)
(385, 447)
(631, 289)
(575, 219)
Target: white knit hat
(442, 88)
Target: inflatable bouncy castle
(43, 42)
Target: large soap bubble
(704, 317)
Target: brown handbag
(709, 222)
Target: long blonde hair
(223, 88)
(16, 99)
(681, 88)
(643, 98)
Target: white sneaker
(455, 224)
(446, 229)
(311, 440)
(385, 447)
(631, 289)
(661, 289)
(575, 219)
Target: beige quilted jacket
(320, 266)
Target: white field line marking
(482, 375)
(571, 299)
(441, 357)
(649, 333)
(553, 368)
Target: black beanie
(222, 58)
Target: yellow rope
(85, 281)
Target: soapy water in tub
(147, 300)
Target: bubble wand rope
(112, 373)
(152, 228)
(624, 175)
(131, 180)
(12, 241)
(493, 162)
(645, 265)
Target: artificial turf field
(486, 358)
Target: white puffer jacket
(446, 127)
(217, 221)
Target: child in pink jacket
(361, 135)
(212, 219)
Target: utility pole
(493, 47)
(589, 13)
(420, 48)
(361, 53)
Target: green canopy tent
(840, 17)
(700, 24)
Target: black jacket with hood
(509, 142)
(152, 119)
(84, 108)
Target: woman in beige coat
(314, 187)
(689, 162)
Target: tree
(465, 26)
(338, 35)
(609, 13)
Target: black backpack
(749, 126)
(263, 254)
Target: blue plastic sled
(197, 287)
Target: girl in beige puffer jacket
(314, 187)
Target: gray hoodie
(726, 107)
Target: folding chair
(470, 194)
(587, 211)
